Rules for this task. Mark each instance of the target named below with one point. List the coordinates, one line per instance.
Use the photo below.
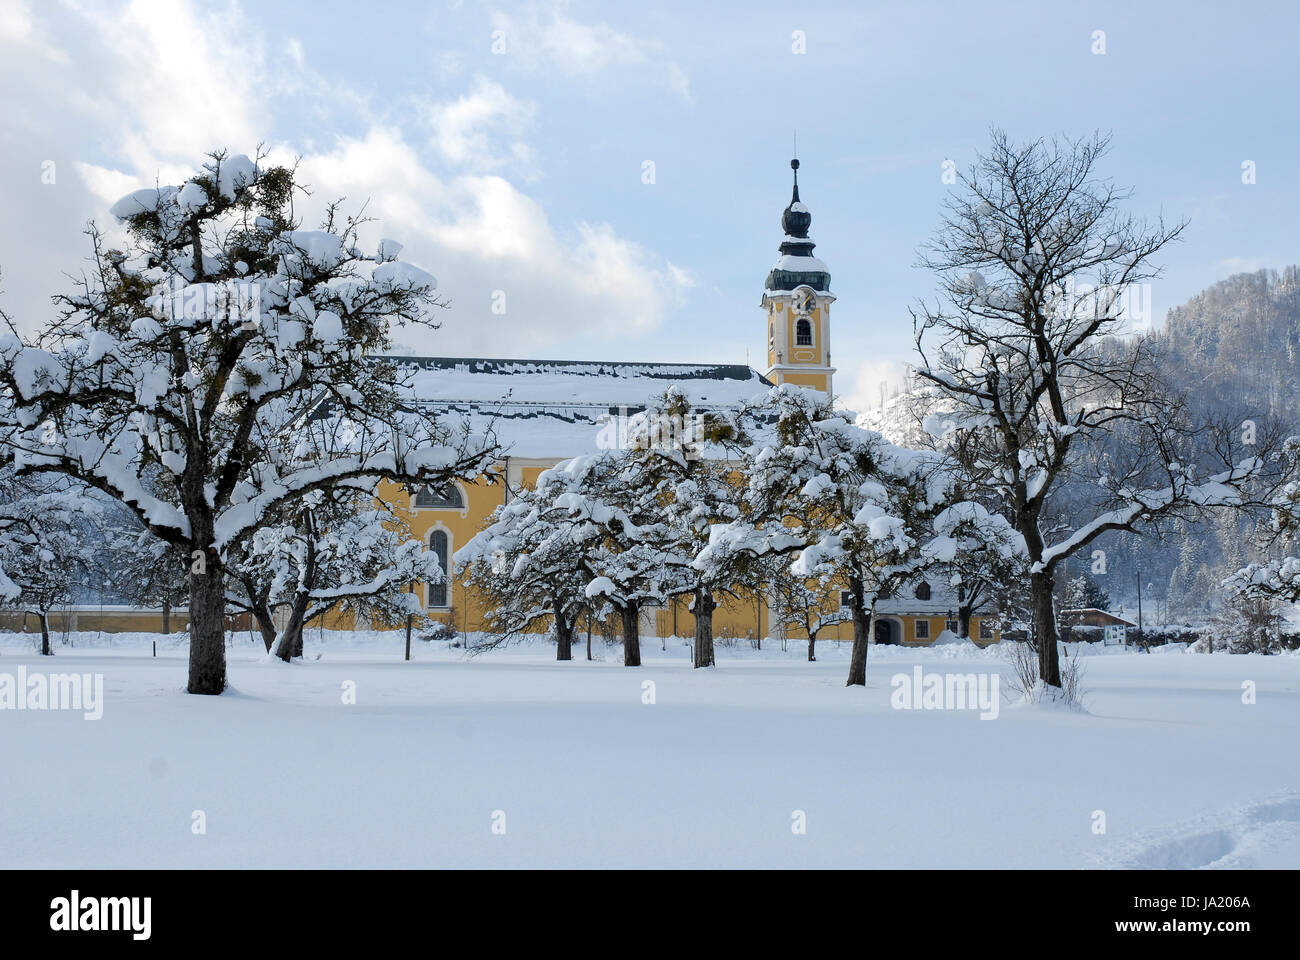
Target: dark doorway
(886, 632)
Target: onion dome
(797, 266)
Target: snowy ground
(586, 774)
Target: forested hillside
(1233, 351)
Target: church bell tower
(797, 300)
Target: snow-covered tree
(1276, 579)
(143, 569)
(199, 349)
(1083, 591)
(1036, 265)
(851, 507)
(342, 550)
(810, 605)
(149, 572)
(623, 539)
(530, 566)
(683, 466)
(1246, 622)
(45, 544)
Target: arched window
(803, 334)
(923, 591)
(438, 591)
(447, 498)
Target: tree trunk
(812, 646)
(1045, 633)
(265, 623)
(631, 616)
(588, 634)
(290, 644)
(208, 627)
(863, 624)
(167, 615)
(45, 634)
(704, 607)
(964, 614)
(563, 633)
(291, 640)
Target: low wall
(108, 619)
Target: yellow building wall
(815, 380)
(778, 314)
(107, 620)
(463, 609)
(742, 618)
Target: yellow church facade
(545, 412)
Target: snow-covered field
(581, 772)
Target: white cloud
(108, 186)
(156, 86)
(19, 28)
(170, 82)
(480, 234)
(544, 37)
(484, 129)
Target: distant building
(1092, 617)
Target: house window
(439, 544)
(952, 626)
(986, 630)
(923, 629)
(846, 599)
(923, 591)
(803, 334)
(444, 498)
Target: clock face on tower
(803, 301)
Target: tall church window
(803, 334)
(438, 591)
(447, 497)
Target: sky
(613, 174)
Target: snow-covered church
(545, 411)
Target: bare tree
(1036, 263)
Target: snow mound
(237, 172)
(142, 201)
(1263, 833)
(396, 275)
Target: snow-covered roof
(795, 264)
(943, 600)
(558, 408)
(1079, 613)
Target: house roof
(1082, 612)
(943, 600)
(559, 408)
